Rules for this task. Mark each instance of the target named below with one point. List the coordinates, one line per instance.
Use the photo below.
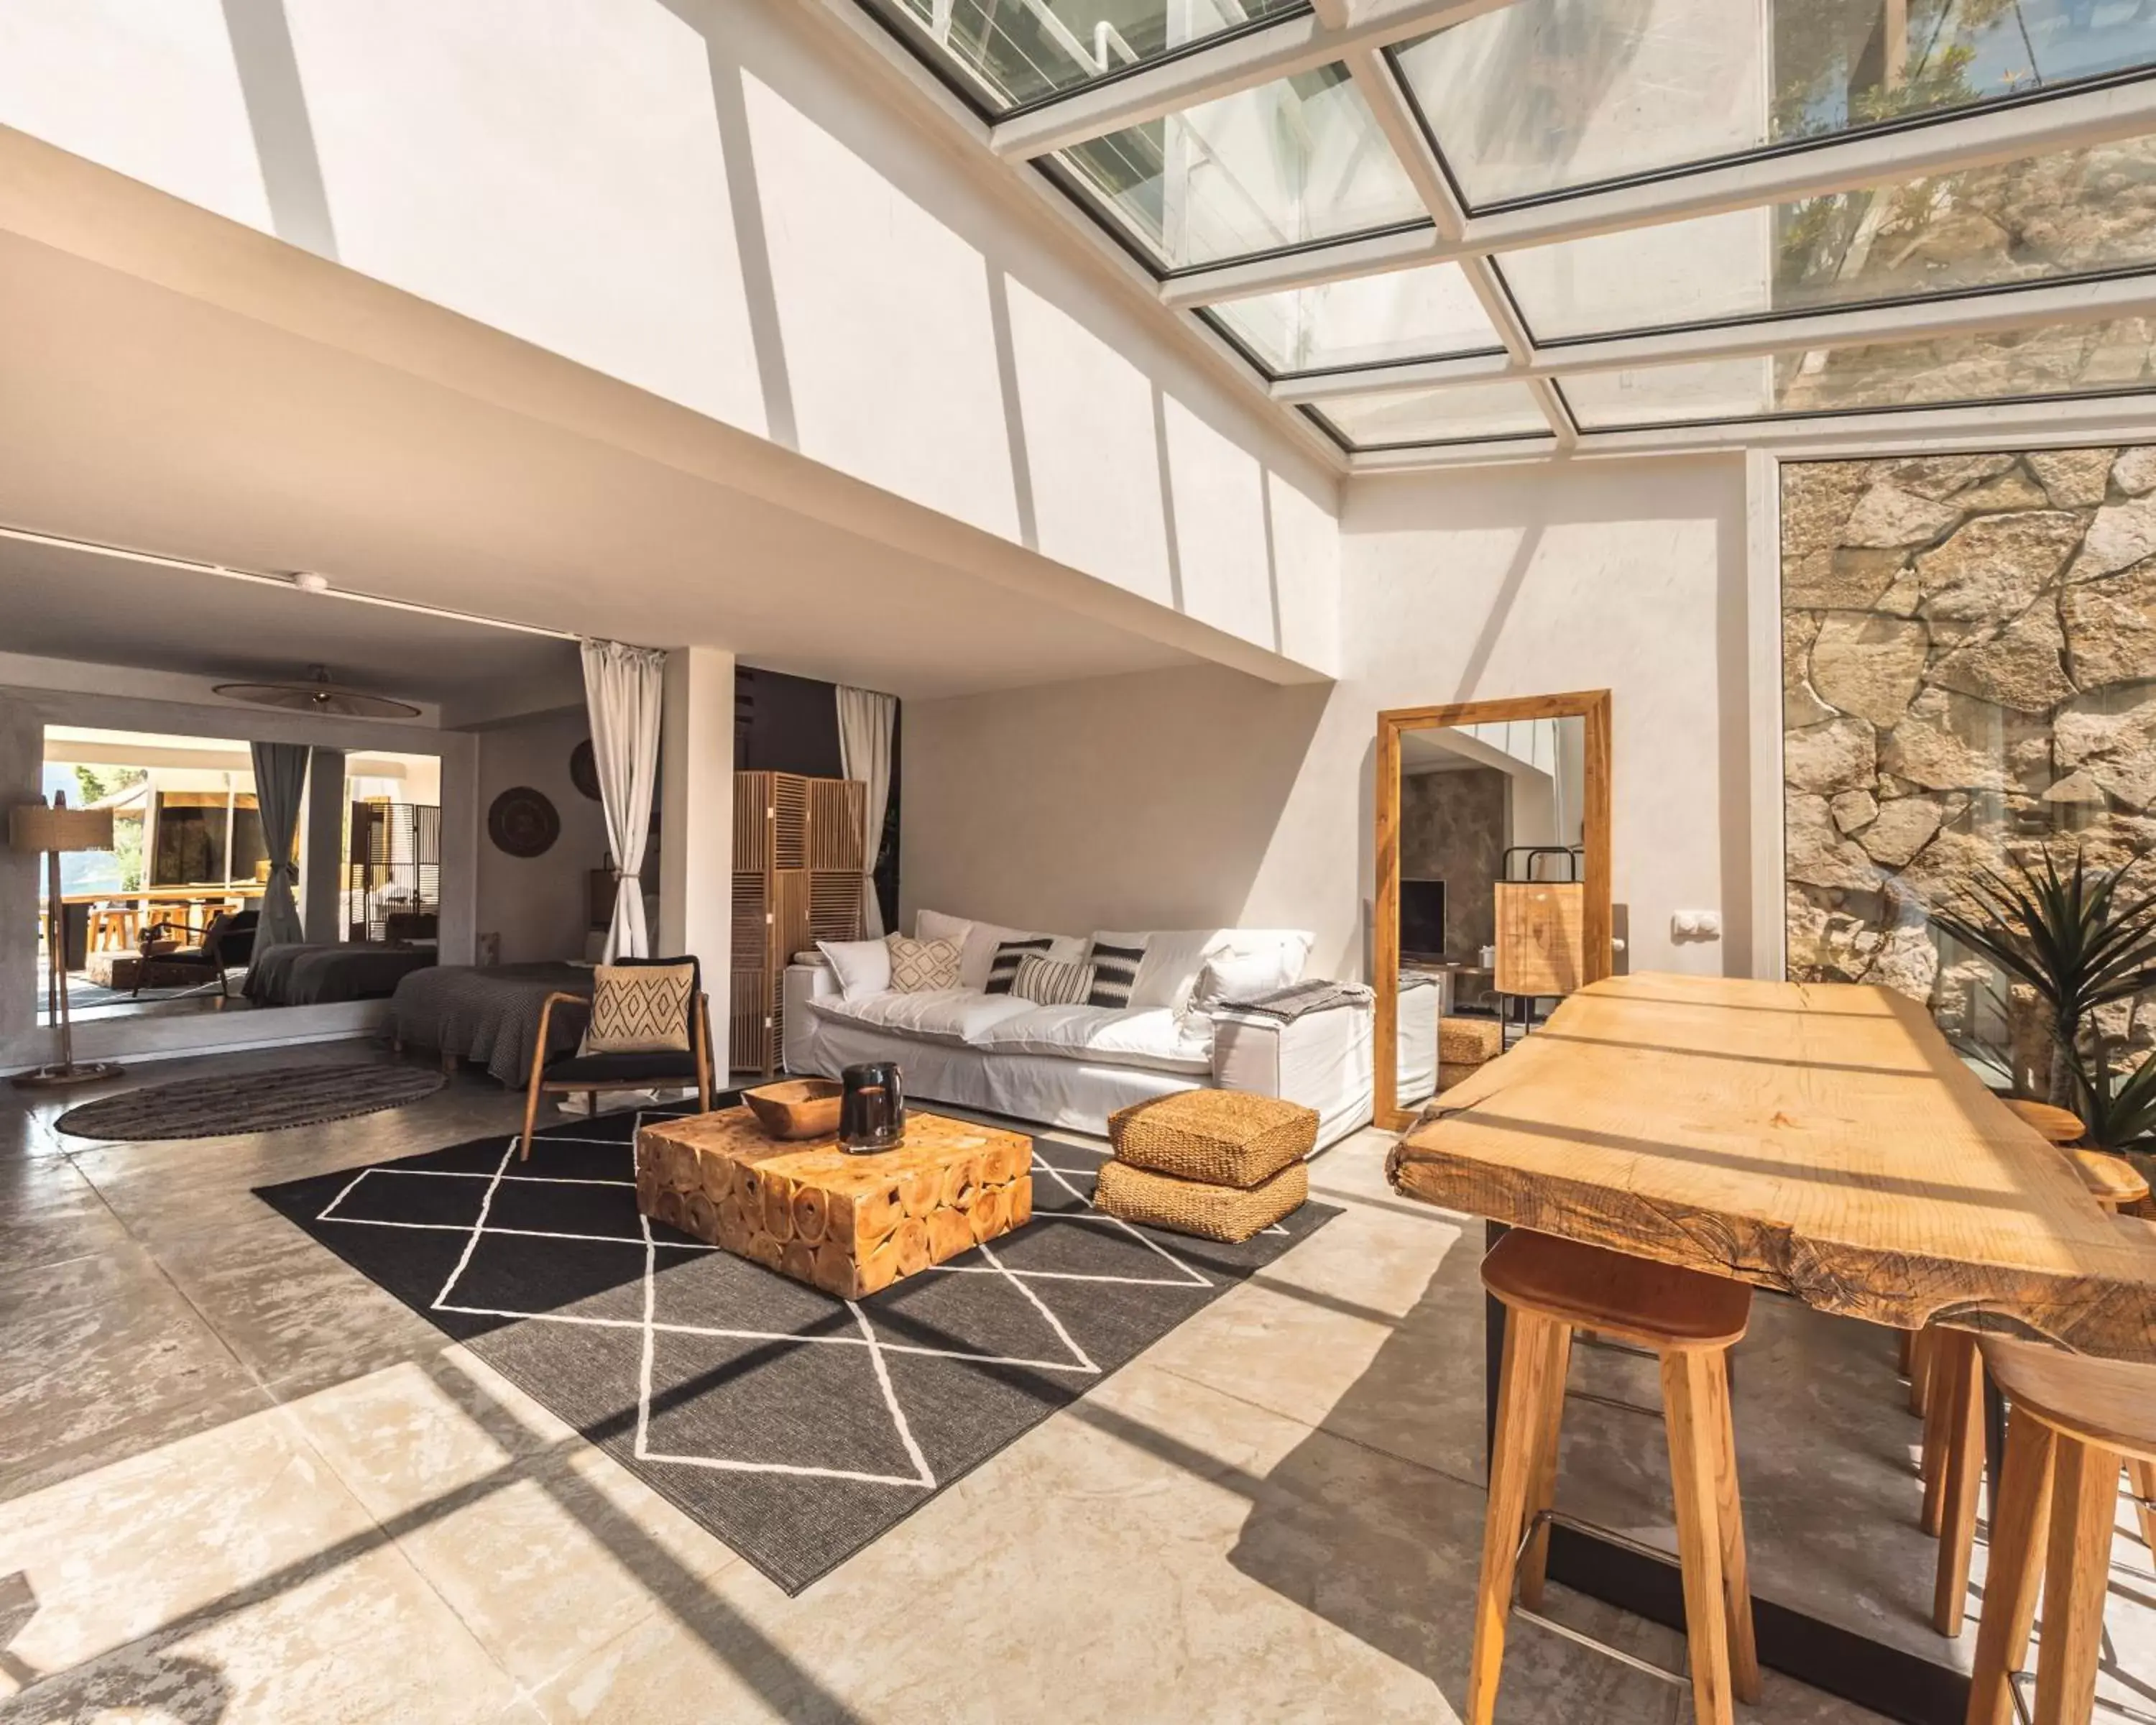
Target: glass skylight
(1545, 95)
(1428, 313)
(1457, 414)
(2055, 359)
(2080, 211)
(1012, 53)
(1260, 171)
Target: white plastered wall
(1177, 799)
(712, 201)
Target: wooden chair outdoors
(594, 1073)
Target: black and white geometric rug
(795, 1427)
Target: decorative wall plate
(522, 822)
(584, 769)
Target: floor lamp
(34, 827)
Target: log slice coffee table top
(1819, 1138)
(849, 1224)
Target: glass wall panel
(1409, 314)
(2055, 359)
(1544, 96)
(1280, 165)
(1015, 54)
(1967, 688)
(2077, 213)
(1459, 414)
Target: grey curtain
(280, 781)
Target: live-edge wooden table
(1821, 1139)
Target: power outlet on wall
(1696, 926)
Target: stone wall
(1453, 830)
(1968, 674)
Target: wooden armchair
(593, 1073)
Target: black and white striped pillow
(1114, 974)
(1003, 968)
(1050, 982)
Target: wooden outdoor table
(1822, 1139)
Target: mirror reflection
(167, 919)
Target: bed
(489, 1014)
(300, 974)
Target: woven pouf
(1469, 1042)
(1227, 1137)
(1223, 1213)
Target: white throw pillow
(1239, 976)
(935, 926)
(863, 968)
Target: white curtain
(623, 687)
(280, 780)
(865, 722)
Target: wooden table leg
(1694, 1426)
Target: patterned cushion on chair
(640, 1007)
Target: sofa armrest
(800, 985)
(1321, 1059)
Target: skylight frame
(2103, 108)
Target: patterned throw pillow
(1003, 968)
(1114, 974)
(917, 967)
(639, 1009)
(1047, 982)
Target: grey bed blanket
(300, 974)
(490, 1015)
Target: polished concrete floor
(239, 1483)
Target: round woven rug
(250, 1102)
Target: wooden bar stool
(2075, 1420)
(1952, 1470)
(2061, 1126)
(1550, 1288)
(2112, 1181)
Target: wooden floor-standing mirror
(1493, 879)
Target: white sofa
(1074, 1065)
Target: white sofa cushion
(935, 1014)
(1174, 957)
(978, 941)
(863, 968)
(1151, 1037)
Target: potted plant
(2078, 936)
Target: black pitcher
(871, 1108)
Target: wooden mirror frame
(1591, 705)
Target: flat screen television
(1422, 919)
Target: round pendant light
(317, 694)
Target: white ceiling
(142, 418)
(66, 603)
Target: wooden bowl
(796, 1107)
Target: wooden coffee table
(848, 1224)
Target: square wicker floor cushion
(1224, 1213)
(1227, 1137)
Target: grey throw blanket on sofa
(1289, 1004)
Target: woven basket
(1469, 1042)
(1227, 1213)
(1226, 1137)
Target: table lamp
(34, 827)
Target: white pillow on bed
(863, 968)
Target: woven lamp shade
(33, 827)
